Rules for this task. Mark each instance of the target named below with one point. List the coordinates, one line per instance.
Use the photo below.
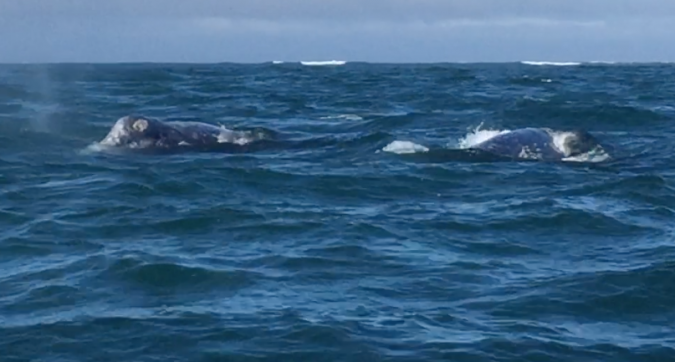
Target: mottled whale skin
(143, 133)
(537, 143)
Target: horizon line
(343, 62)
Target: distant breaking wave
(551, 63)
(572, 63)
(324, 62)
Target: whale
(541, 144)
(140, 133)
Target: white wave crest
(560, 64)
(323, 62)
(348, 117)
(404, 147)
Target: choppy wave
(366, 230)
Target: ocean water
(365, 231)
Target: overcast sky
(365, 30)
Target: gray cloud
(346, 10)
(371, 30)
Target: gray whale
(539, 144)
(142, 133)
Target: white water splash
(404, 147)
(94, 147)
(478, 135)
(237, 137)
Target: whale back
(146, 135)
(197, 133)
(142, 132)
(525, 143)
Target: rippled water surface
(360, 234)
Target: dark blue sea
(365, 231)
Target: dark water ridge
(363, 231)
